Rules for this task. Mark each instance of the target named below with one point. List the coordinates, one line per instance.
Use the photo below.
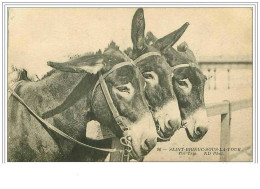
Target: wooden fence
(224, 109)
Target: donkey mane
(111, 46)
(49, 73)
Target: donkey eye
(151, 78)
(148, 75)
(123, 89)
(183, 83)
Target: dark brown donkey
(65, 98)
(158, 76)
(188, 81)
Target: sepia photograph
(146, 84)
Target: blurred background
(221, 39)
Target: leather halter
(191, 64)
(107, 95)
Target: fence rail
(223, 75)
(224, 109)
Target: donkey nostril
(201, 131)
(146, 145)
(145, 148)
(197, 131)
(168, 125)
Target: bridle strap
(180, 66)
(109, 72)
(53, 128)
(146, 55)
(110, 103)
(183, 66)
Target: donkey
(188, 84)
(158, 76)
(187, 81)
(68, 98)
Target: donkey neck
(66, 97)
(64, 90)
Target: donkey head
(188, 82)
(126, 88)
(189, 85)
(158, 76)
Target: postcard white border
(152, 175)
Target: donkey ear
(138, 27)
(150, 38)
(86, 64)
(172, 38)
(186, 53)
(182, 47)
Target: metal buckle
(123, 141)
(126, 143)
(119, 121)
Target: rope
(53, 128)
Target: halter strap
(111, 105)
(146, 55)
(192, 64)
(122, 64)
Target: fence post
(116, 156)
(228, 78)
(215, 78)
(225, 133)
(209, 76)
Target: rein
(53, 128)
